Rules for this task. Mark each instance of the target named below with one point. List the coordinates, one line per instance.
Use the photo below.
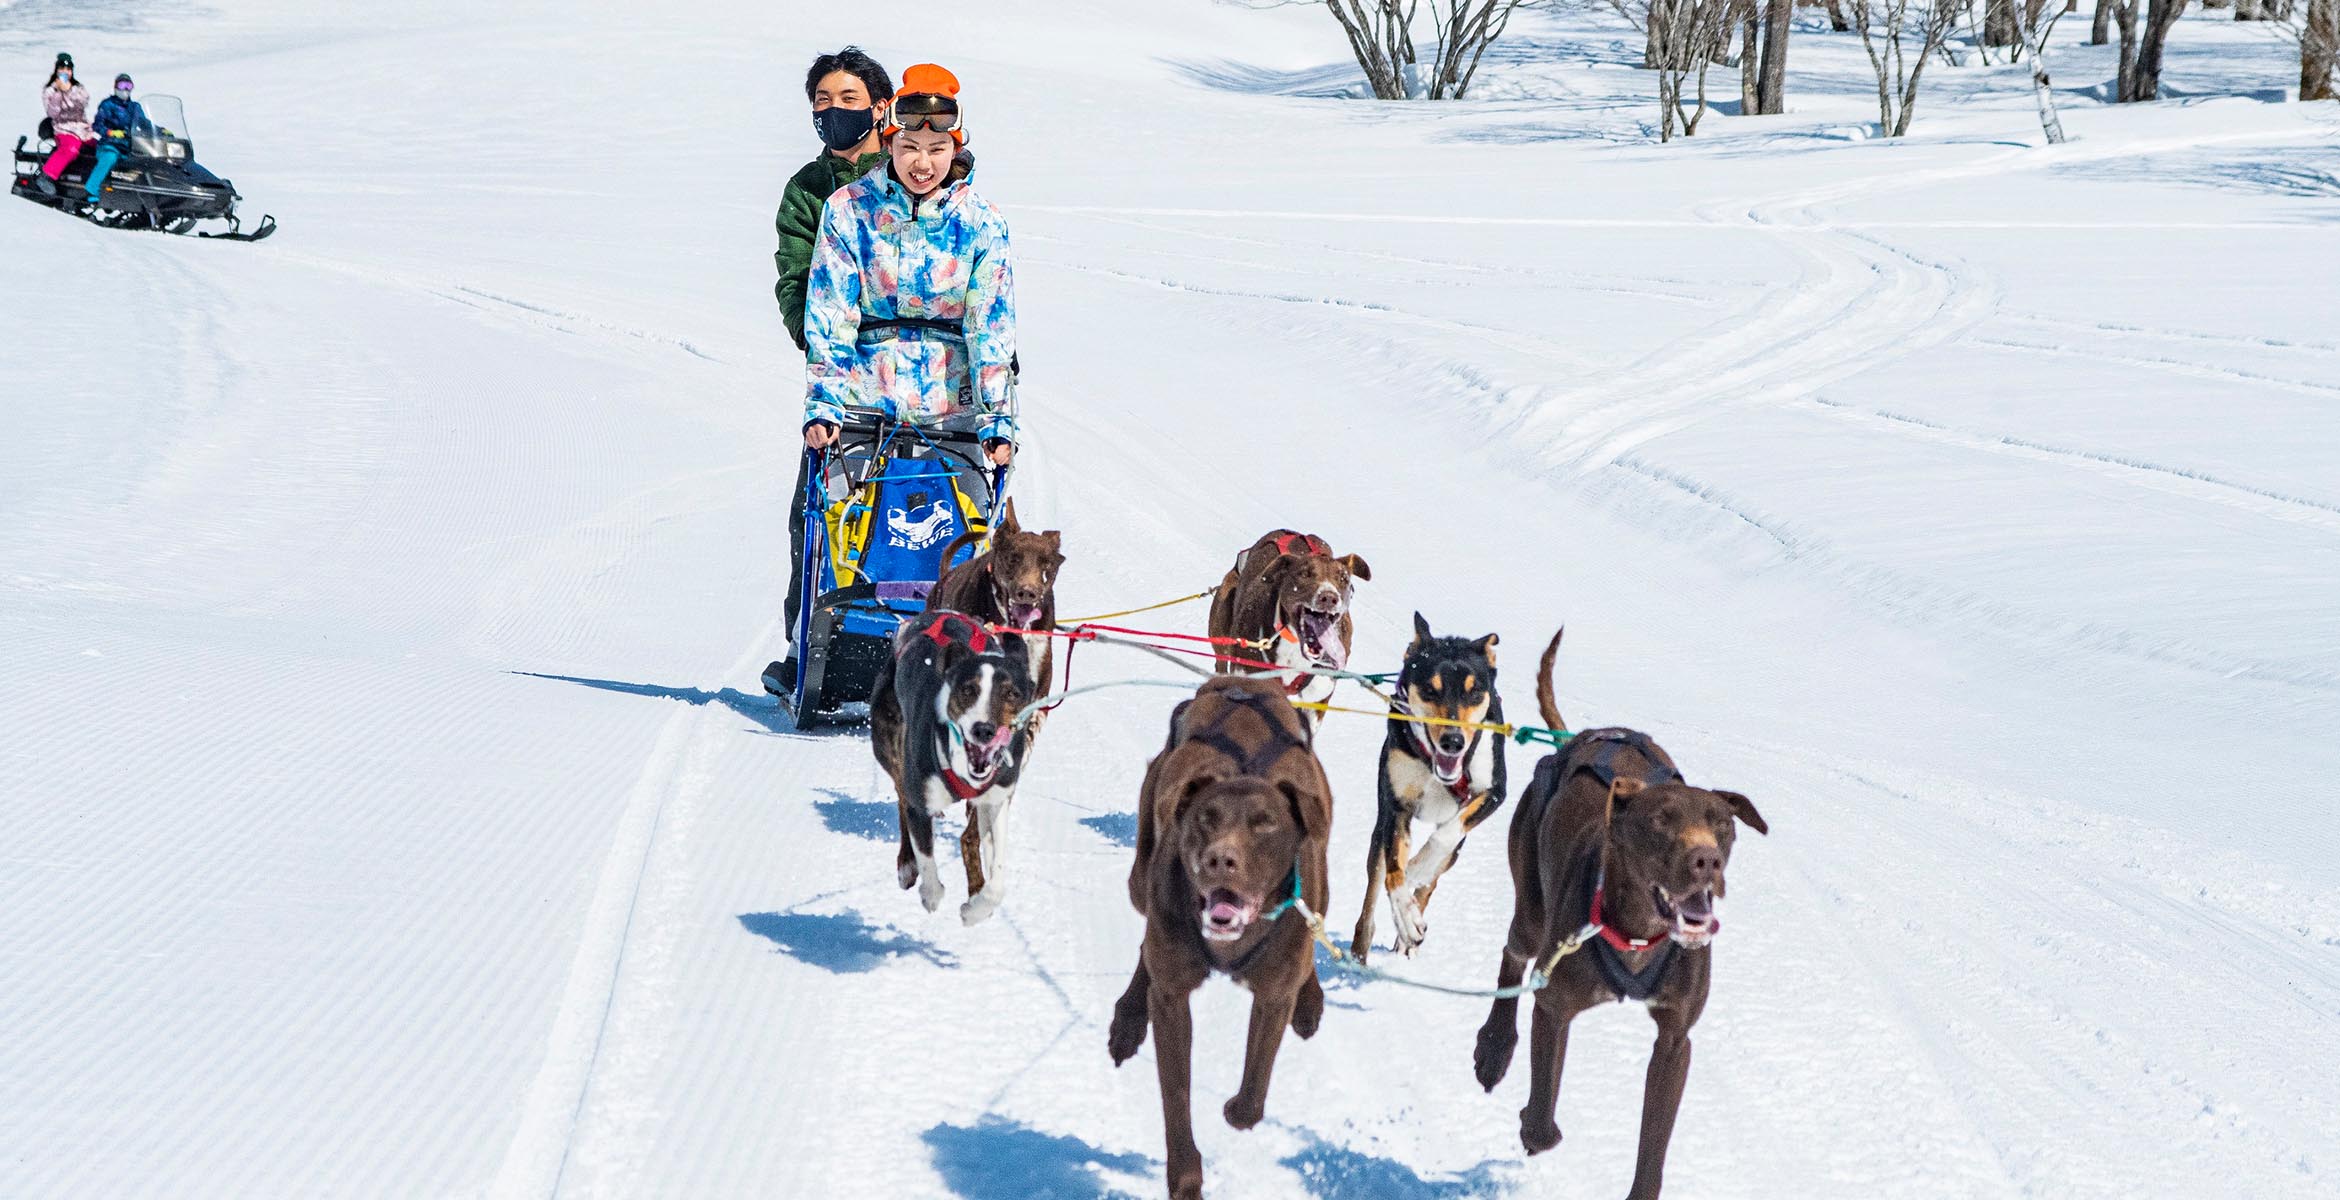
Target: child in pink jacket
(67, 103)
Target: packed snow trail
(396, 811)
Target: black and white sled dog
(942, 722)
(1446, 775)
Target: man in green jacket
(849, 91)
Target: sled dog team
(1612, 849)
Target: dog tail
(952, 551)
(1544, 701)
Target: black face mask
(843, 128)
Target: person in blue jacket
(119, 118)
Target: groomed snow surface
(392, 810)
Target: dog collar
(1616, 940)
(960, 789)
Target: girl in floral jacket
(67, 104)
(910, 306)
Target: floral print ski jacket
(68, 110)
(878, 260)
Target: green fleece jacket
(799, 225)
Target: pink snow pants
(67, 146)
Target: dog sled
(882, 505)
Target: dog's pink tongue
(1225, 912)
(1024, 616)
(1334, 653)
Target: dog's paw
(906, 873)
(1492, 1056)
(978, 907)
(1127, 1033)
(1360, 947)
(1242, 1112)
(1538, 1133)
(1308, 1009)
(1411, 925)
(930, 893)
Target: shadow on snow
(999, 1159)
(1327, 1170)
(841, 943)
(762, 709)
(1120, 828)
(843, 812)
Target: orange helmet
(928, 99)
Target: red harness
(978, 638)
(1313, 546)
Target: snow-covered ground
(392, 809)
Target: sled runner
(156, 185)
(882, 505)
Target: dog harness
(1311, 546)
(1607, 957)
(1249, 762)
(939, 631)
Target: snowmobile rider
(119, 118)
(67, 103)
(848, 91)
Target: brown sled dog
(1232, 822)
(1012, 584)
(1608, 834)
(1288, 597)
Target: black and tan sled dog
(1449, 776)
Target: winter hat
(928, 90)
(63, 60)
(123, 78)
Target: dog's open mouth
(1226, 914)
(984, 759)
(1020, 616)
(1319, 631)
(1447, 767)
(1693, 916)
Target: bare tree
(2140, 55)
(2100, 30)
(1999, 23)
(1381, 38)
(2035, 38)
(1750, 59)
(1696, 32)
(1886, 26)
(1771, 83)
(2319, 50)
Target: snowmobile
(157, 184)
(882, 505)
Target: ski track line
(1920, 603)
(2176, 366)
(2179, 481)
(1533, 347)
(481, 301)
(538, 1157)
(2224, 339)
(1669, 288)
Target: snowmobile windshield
(164, 135)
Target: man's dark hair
(853, 62)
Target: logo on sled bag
(921, 523)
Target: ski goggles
(937, 114)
